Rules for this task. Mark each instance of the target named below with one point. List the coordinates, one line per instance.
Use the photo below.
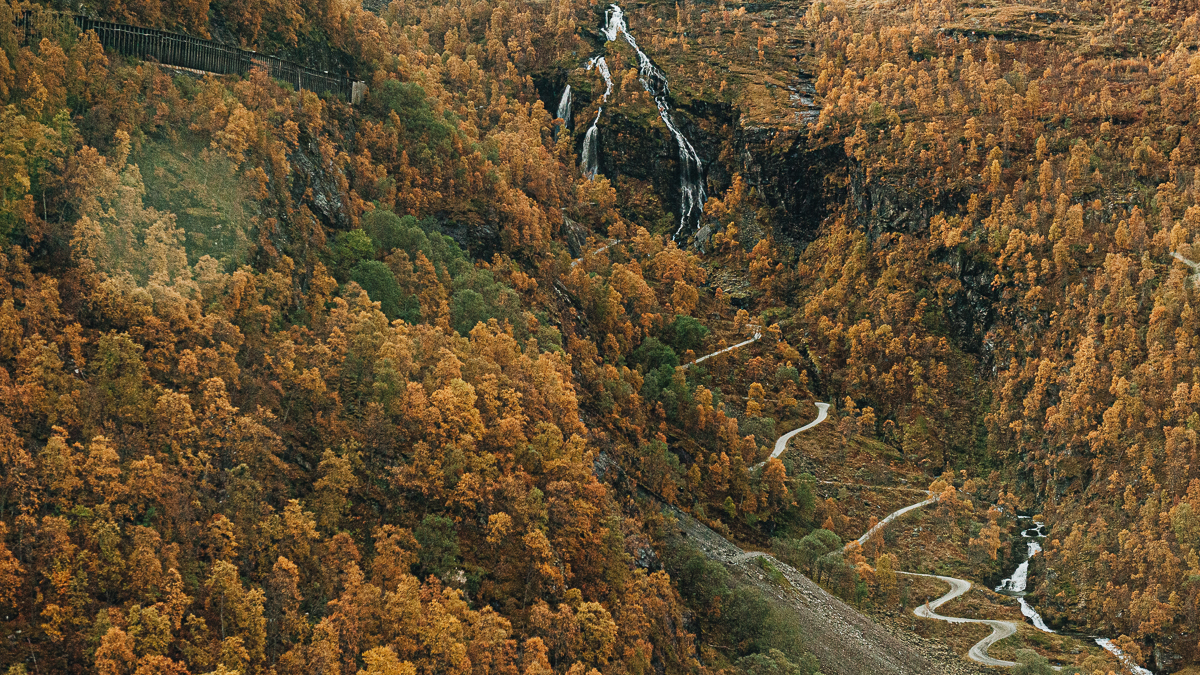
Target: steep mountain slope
(273, 367)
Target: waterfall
(589, 158)
(564, 105)
(1019, 580)
(691, 171)
(564, 109)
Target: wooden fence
(183, 51)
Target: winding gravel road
(979, 651)
(862, 541)
(609, 244)
(782, 441)
(757, 336)
(1000, 629)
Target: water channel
(1016, 585)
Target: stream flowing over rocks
(1016, 585)
(654, 81)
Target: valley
(522, 337)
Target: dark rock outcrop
(576, 236)
(1165, 660)
(315, 183)
(879, 207)
(480, 238)
(790, 176)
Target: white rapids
(1019, 580)
(1125, 660)
(691, 170)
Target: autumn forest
(295, 385)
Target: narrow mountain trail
(609, 244)
(756, 338)
(862, 541)
(1194, 265)
(782, 441)
(979, 651)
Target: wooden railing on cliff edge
(183, 51)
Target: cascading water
(1017, 583)
(589, 159)
(1122, 657)
(1020, 578)
(564, 108)
(691, 171)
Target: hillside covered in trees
(293, 386)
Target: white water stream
(589, 159)
(1019, 581)
(564, 108)
(1125, 660)
(691, 170)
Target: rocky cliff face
(879, 208)
(778, 162)
(791, 177)
(800, 183)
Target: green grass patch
(209, 197)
